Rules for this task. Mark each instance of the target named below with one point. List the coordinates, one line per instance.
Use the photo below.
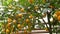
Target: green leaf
(9, 1)
(5, 3)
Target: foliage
(23, 14)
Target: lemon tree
(24, 15)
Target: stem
(33, 22)
(48, 16)
(44, 22)
(49, 27)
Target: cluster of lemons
(19, 26)
(57, 15)
(11, 22)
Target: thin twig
(44, 22)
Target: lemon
(9, 20)
(57, 13)
(9, 24)
(27, 20)
(58, 18)
(20, 15)
(31, 1)
(19, 26)
(22, 9)
(7, 31)
(14, 21)
(30, 16)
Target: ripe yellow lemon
(57, 13)
(22, 9)
(7, 31)
(9, 24)
(9, 20)
(20, 15)
(31, 1)
(27, 20)
(19, 26)
(55, 16)
(30, 16)
(14, 21)
(58, 18)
